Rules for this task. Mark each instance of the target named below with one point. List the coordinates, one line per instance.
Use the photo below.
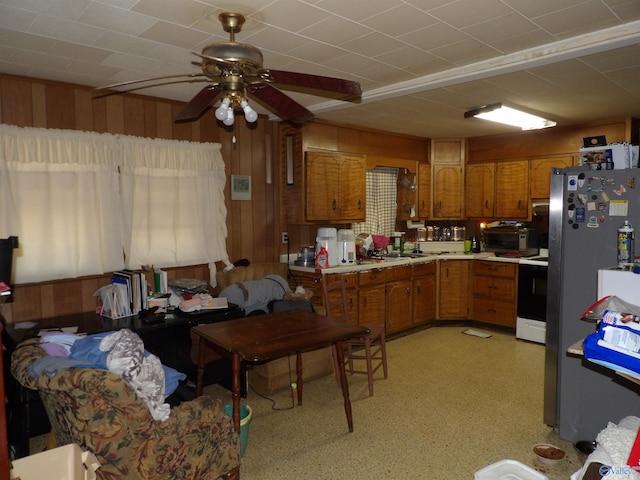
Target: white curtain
(81, 202)
(173, 203)
(59, 194)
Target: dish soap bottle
(322, 258)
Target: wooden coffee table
(267, 337)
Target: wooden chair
(369, 348)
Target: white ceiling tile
(25, 41)
(406, 57)
(62, 8)
(276, 40)
(357, 9)
(335, 30)
(99, 71)
(149, 39)
(463, 13)
(405, 19)
(616, 60)
(427, 64)
(63, 29)
(292, 16)
(464, 51)
(186, 14)
(582, 18)
(171, 34)
(25, 57)
(626, 10)
(316, 52)
(433, 36)
(117, 19)
(523, 41)
(131, 62)
(537, 8)
(5, 52)
(352, 63)
(15, 18)
(501, 28)
(79, 52)
(372, 44)
(119, 42)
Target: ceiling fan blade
(108, 93)
(346, 89)
(285, 107)
(198, 104)
(155, 79)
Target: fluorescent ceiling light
(510, 116)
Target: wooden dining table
(258, 339)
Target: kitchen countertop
(389, 262)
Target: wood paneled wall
(549, 142)
(248, 149)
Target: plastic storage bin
(246, 415)
(508, 470)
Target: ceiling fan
(234, 73)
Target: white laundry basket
(508, 470)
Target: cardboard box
(63, 463)
(278, 374)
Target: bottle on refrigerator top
(626, 244)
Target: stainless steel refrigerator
(586, 209)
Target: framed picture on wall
(240, 187)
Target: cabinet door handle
(333, 204)
(486, 204)
(408, 292)
(359, 204)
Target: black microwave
(512, 239)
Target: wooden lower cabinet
(453, 289)
(371, 296)
(399, 298)
(424, 292)
(495, 292)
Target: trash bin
(246, 415)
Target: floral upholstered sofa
(99, 411)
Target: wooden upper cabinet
(512, 189)
(447, 191)
(335, 187)
(448, 151)
(447, 161)
(479, 190)
(540, 174)
(424, 191)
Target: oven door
(532, 292)
(532, 303)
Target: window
(86, 203)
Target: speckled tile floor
(452, 405)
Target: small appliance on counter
(366, 246)
(346, 247)
(328, 238)
(306, 256)
(511, 238)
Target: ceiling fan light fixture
(250, 114)
(510, 116)
(221, 111)
(230, 118)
